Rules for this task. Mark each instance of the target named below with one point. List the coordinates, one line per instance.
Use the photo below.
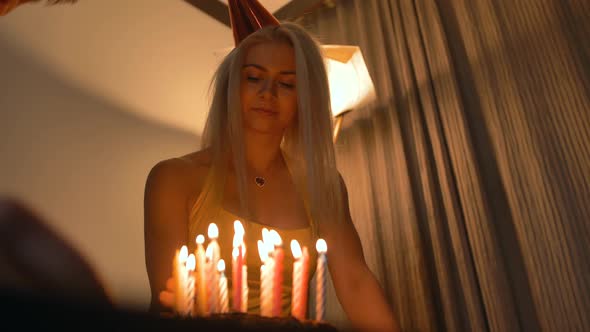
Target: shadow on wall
(82, 162)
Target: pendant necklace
(260, 181)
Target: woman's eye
(287, 85)
(253, 79)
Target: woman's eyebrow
(284, 72)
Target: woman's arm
(165, 224)
(358, 291)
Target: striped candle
(180, 275)
(277, 283)
(245, 289)
(320, 309)
(223, 296)
(265, 281)
(213, 233)
(212, 283)
(190, 286)
(236, 275)
(300, 280)
(201, 273)
(237, 264)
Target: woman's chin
(266, 129)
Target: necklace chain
(261, 180)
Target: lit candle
(213, 233)
(190, 285)
(278, 257)
(223, 298)
(320, 309)
(179, 274)
(212, 282)
(296, 305)
(268, 242)
(264, 296)
(300, 280)
(237, 263)
(235, 279)
(305, 281)
(245, 289)
(201, 273)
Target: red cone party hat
(248, 16)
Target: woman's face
(268, 92)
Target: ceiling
(271, 5)
(154, 58)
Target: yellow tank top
(225, 222)
(208, 208)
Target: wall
(81, 162)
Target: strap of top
(300, 187)
(207, 203)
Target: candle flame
(270, 247)
(267, 240)
(235, 253)
(262, 251)
(200, 239)
(276, 238)
(321, 246)
(265, 234)
(238, 228)
(238, 239)
(296, 249)
(191, 262)
(213, 231)
(221, 265)
(209, 253)
(183, 254)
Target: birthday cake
(252, 322)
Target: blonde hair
(307, 143)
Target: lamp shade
(350, 83)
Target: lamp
(350, 83)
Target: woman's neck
(263, 152)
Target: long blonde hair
(307, 143)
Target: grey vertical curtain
(469, 177)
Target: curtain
(469, 176)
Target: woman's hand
(358, 291)
(166, 298)
(165, 228)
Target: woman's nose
(267, 88)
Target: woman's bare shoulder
(184, 172)
(201, 160)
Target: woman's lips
(265, 111)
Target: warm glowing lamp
(351, 86)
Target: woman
(267, 160)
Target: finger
(167, 315)
(167, 299)
(170, 284)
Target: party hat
(248, 16)
(7, 6)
